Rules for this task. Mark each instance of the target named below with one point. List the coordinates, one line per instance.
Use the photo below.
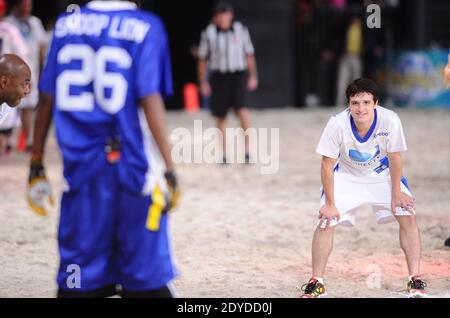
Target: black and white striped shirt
(226, 50)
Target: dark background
(287, 52)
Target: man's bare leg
(322, 246)
(410, 242)
(244, 118)
(222, 126)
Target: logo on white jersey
(364, 157)
(381, 134)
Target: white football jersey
(363, 157)
(4, 109)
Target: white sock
(410, 277)
(319, 279)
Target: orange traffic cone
(191, 98)
(22, 141)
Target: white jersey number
(93, 69)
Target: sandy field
(239, 233)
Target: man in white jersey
(361, 164)
(11, 41)
(15, 77)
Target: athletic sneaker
(416, 287)
(313, 289)
(447, 242)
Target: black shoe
(224, 161)
(247, 158)
(447, 242)
(164, 292)
(103, 292)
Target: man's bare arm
(252, 83)
(328, 212)
(399, 198)
(327, 177)
(202, 70)
(395, 169)
(251, 63)
(42, 123)
(39, 189)
(155, 115)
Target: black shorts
(228, 90)
(6, 132)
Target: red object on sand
(22, 141)
(191, 98)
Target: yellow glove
(174, 190)
(39, 190)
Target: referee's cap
(222, 6)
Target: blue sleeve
(47, 81)
(154, 71)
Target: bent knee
(243, 111)
(407, 221)
(328, 229)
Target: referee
(226, 53)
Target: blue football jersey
(102, 60)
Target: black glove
(174, 190)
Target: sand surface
(239, 233)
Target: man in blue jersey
(107, 69)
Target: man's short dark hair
(362, 85)
(222, 6)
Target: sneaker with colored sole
(313, 289)
(416, 287)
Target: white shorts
(350, 193)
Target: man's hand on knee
(403, 201)
(327, 214)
